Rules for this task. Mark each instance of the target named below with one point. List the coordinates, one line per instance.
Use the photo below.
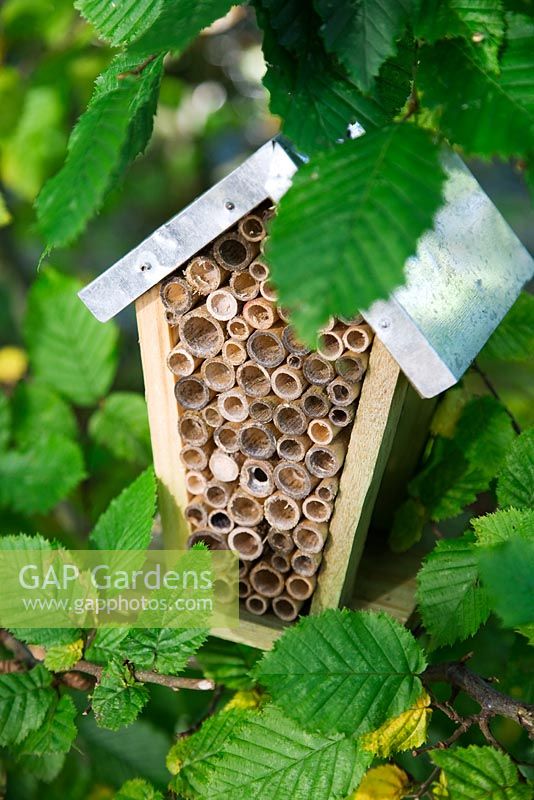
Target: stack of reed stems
(264, 422)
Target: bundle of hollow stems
(264, 422)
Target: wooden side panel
(155, 343)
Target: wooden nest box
(262, 446)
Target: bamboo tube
(217, 494)
(328, 326)
(280, 541)
(246, 542)
(234, 352)
(171, 318)
(315, 403)
(260, 313)
(357, 338)
(287, 383)
(244, 588)
(244, 568)
(252, 228)
(233, 405)
(286, 607)
(212, 539)
(280, 562)
(220, 521)
(238, 329)
(194, 457)
(322, 431)
(281, 511)
(268, 290)
(218, 374)
(317, 510)
(222, 305)
(343, 393)
(330, 344)
(324, 461)
(181, 363)
(253, 379)
(196, 482)
(192, 429)
(309, 537)
(327, 489)
(204, 275)
(351, 367)
(341, 416)
(257, 440)
(262, 409)
(259, 270)
(292, 344)
(317, 370)
(192, 393)
(256, 477)
(211, 414)
(195, 513)
(300, 587)
(293, 448)
(266, 348)
(243, 286)
(256, 604)
(265, 580)
(200, 333)
(244, 509)
(290, 419)
(233, 252)
(224, 467)
(176, 295)
(294, 361)
(226, 437)
(283, 313)
(293, 479)
(306, 564)
(357, 319)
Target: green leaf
(69, 349)
(191, 757)
(311, 92)
(121, 425)
(36, 479)
(470, 98)
(270, 756)
(127, 522)
(228, 663)
(138, 789)
(44, 768)
(514, 338)
(120, 24)
(5, 215)
(57, 732)
(343, 671)
(327, 234)
(479, 22)
(113, 130)
(507, 571)
(5, 421)
(166, 650)
(452, 603)
(516, 480)
(37, 408)
(408, 524)
(106, 644)
(62, 657)
(503, 525)
(118, 697)
(25, 698)
(480, 773)
(363, 33)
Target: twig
(489, 385)
(491, 701)
(11, 665)
(210, 711)
(137, 70)
(423, 789)
(145, 676)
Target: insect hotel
(271, 450)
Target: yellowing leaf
(13, 364)
(5, 216)
(387, 782)
(244, 699)
(400, 733)
(61, 657)
(439, 789)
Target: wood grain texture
(155, 342)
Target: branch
(145, 676)
(137, 70)
(492, 702)
(489, 385)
